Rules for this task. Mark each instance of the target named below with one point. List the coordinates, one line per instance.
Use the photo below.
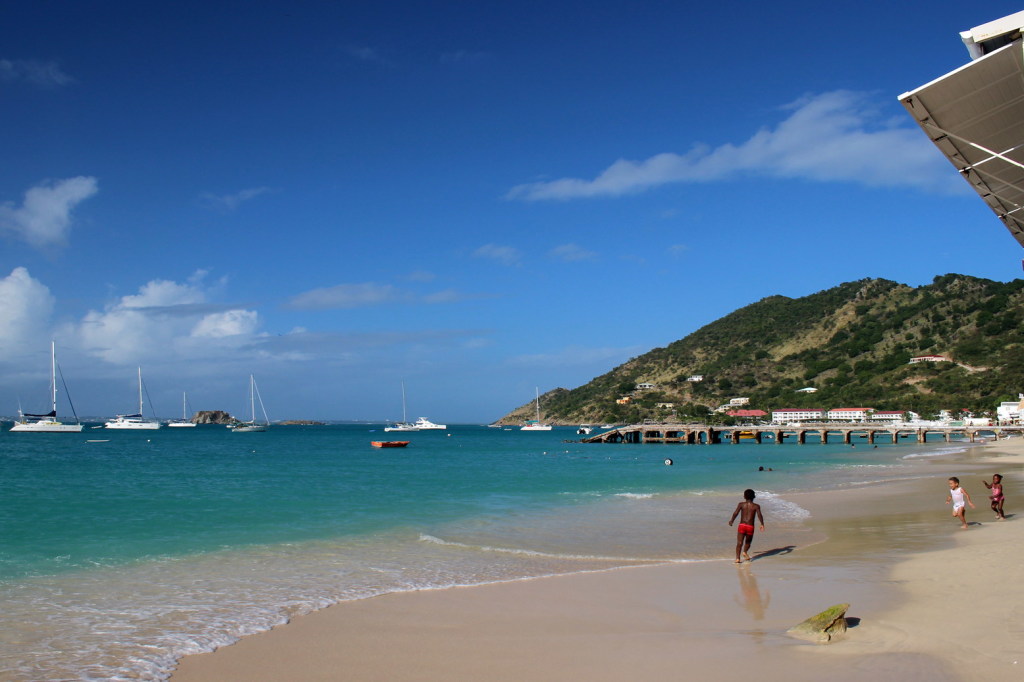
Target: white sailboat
(403, 425)
(184, 422)
(252, 425)
(46, 423)
(133, 421)
(535, 424)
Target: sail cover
(975, 116)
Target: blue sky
(473, 198)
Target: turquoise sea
(120, 556)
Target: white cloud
(229, 202)
(164, 321)
(229, 323)
(44, 217)
(347, 296)
(832, 137)
(366, 294)
(25, 308)
(571, 252)
(507, 255)
(41, 74)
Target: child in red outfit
(747, 511)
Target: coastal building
(786, 415)
(852, 414)
(666, 406)
(1009, 412)
(645, 386)
(624, 400)
(809, 389)
(695, 378)
(747, 414)
(928, 358)
(732, 404)
(888, 416)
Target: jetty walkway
(703, 434)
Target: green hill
(852, 342)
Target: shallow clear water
(118, 557)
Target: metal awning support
(973, 111)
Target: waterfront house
(787, 415)
(853, 414)
(747, 414)
(928, 358)
(1009, 412)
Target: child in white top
(957, 495)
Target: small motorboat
(389, 443)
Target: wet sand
(928, 602)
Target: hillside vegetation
(852, 342)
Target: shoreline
(888, 548)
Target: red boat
(389, 443)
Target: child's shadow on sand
(773, 552)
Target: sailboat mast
(404, 418)
(140, 391)
(53, 376)
(536, 389)
(252, 397)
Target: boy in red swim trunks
(747, 511)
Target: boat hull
(126, 425)
(249, 428)
(45, 427)
(389, 443)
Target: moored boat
(184, 422)
(403, 425)
(252, 426)
(424, 424)
(389, 443)
(535, 424)
(46, 423)
(133, 421)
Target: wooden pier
(703, 434)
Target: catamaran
(535, 424)
(133, 421)
(403, 425)
(184, 422)
(252, 425)
(46, 423)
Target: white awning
(975, 116)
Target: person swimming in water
(747, 510)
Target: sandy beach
(928, 601)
